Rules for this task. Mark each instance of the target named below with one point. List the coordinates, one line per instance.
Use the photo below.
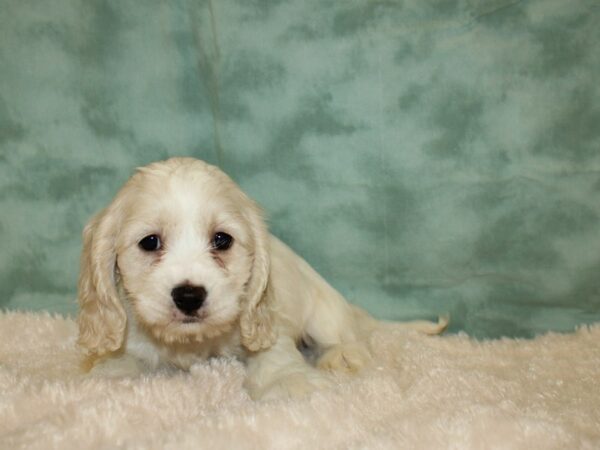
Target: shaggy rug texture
(425, 392)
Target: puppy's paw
(293, 386)
(349, 357)
(117, 367)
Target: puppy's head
(185, 251)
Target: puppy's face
(184, 252)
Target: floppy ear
(256, 318)
(102, 318)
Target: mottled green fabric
(425, 156)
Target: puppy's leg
(345, 357)
(341, 331)
(124, 365)
(282, 372)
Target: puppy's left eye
(222, 241)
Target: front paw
(293, 386)
(349, 357)
(117, 367)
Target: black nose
(188, 298)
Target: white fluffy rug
(440, 392)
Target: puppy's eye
(221, 241)
(150, 243)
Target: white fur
(262, 300)
(421, 393)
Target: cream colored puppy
(180, 267)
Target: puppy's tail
(424, 326)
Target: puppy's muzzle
(188, 298)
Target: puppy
(180, 267)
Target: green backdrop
(425, 156)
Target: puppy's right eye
(150, 243)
